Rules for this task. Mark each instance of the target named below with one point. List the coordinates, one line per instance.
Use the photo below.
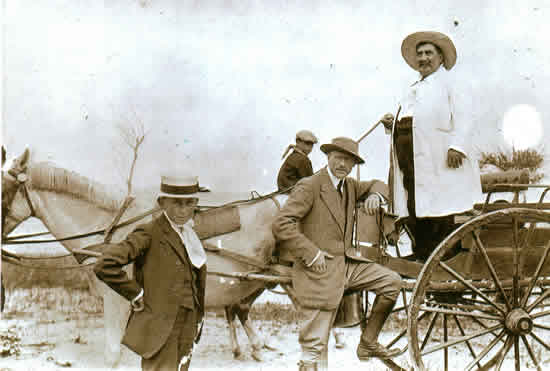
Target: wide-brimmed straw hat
(343, 144)
(409, 45)
(306, 136)
(180, 186)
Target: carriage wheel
(471, 316)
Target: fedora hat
(409, 45)
(346, 145)
(180, 187)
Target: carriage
(483, 291)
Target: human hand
(387, 120)
(371, 204)
(138, 305)
(454, 158)
(320, 264)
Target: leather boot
(307, 366)
(369, 346)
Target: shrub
(529, 159)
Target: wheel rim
(485, 319)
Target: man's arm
(286, 224)
(115, 256)
(304, 168)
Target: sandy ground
(56, 341)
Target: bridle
(13, 180)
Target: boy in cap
(167, 293)
(297, 165)
(317, 221)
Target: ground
(57, 341)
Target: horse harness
(16, 180)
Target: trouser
(176, 352)
(315, 329)
(427, 232)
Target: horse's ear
(23, 160)
(3, 155)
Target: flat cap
(306, 136)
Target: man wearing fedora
(297, 165)
(167, 293)
(317, 221)
(433, 173)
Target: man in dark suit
(317, 221)
(297, 165)
(167, 293)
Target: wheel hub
(518, 322)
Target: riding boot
(369, 345)
(307, 366)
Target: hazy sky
(223, 86)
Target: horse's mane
(46, 176)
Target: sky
(223, 86)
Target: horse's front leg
(230, 316)
(116, 310)
(256, 341)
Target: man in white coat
(433, 173)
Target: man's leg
(314, 336)
(430, 232)
(386, 284)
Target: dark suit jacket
(312, 219)
(296, 166)
(163, 270)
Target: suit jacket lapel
(332, 200)
(350, 192)
(173, 239)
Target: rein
(17, 240)
(11, 240)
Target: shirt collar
(296, 149)
(431, 76)
(177, 227)
(333, 178)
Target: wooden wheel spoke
(531, 353)
(515, 259)
(429, 332)
(492, 270)
(541, 326)
(486, 350)
(539, 340)
(516, 353)
(470, 286)
(536, 275)
(403, 332)
(470, 348)
(539, 300)
(541, 314)
(463, 339)
(483, 325)
(445, 339)
(460, 313)
(502, 353)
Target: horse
(69, 204)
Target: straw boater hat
(346, 145)
(180, 187)
(409, 45)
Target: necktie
(339, 187)
(193, 245)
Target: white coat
(440, 121)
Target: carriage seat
(505, 179)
